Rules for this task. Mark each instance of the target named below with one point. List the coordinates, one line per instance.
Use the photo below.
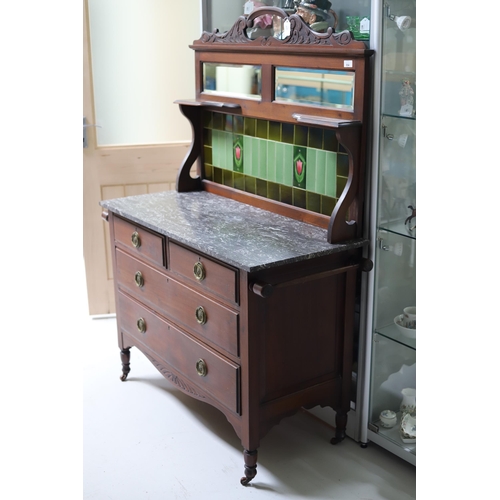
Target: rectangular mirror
(320, 87)
(235, 80)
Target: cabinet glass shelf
(393, 435)
(398, 227)
(392, 333)
(393, 115)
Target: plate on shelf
(410, 333)
(408, 429)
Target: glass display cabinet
(391, 320)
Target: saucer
(408, 429)
(411, 333)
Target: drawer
(141, 242)
(202, 366)
(204, 273)
(194, 311)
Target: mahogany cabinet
(240, 286)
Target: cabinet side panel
(302, 343)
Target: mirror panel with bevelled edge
(319, 87)
(233, 80)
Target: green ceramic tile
(331, 174)
(262, 165)
(273, 191)
(247, 154)
(288, 165)
(239, 181)
(261, 187)
(229, 150)
(255, 157)
(265, 162)
(209, 172)
(217, 121)
(238, 127)
(217, 175)
(250, 184)
(313, 202)
(207, 119)
(287, 133)
(286, 194)
(311, 169)
(216, 147)
(299, 198)
(275, 131)
(315, 138)
(300, 137)
(261, 131)
(330, 142)
(320, 184)
(227, 177)
(280, 162)
(271, 161)
(299, 166)
(238, 153)
(327, 205)
(207, 155)
(343, 165)
(207, 137)
(341, 182)
(249, 126)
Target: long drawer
(192, 310)
(202, 366)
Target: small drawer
(194, 311)
(141, 242)
(204, 273)
(202, 366)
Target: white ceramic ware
(408, 429)
(410, 333)
(409, 401)
(388, 419)
(410, 317)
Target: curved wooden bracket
(185, 182)
(344, 221)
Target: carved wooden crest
(300, 33)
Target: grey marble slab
(246, 237)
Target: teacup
(410, 317)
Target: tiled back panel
(302, 166)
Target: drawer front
(192, 310)
(201, 365)
(141, 242)
(204, 273)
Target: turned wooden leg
(250, 466)
(125, 356)
(340, 427)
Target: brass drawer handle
(199, 271)
(139, 279)
(201, 368)
(141, 325)
(201, 315)
(136, 239)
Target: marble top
(244, 236)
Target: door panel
(115, 171)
